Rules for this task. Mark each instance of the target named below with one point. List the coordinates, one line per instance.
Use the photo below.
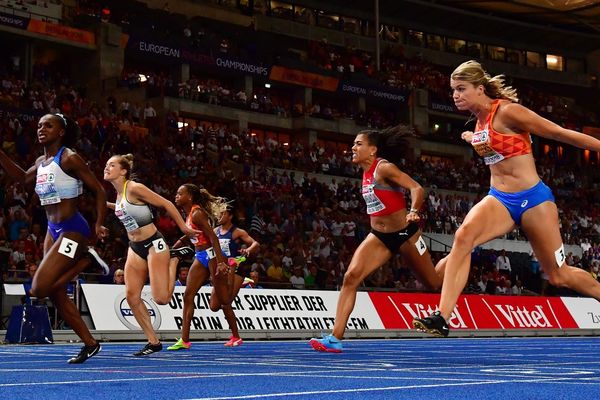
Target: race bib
(421, 246)
(67, 247)
(481, 144)
(45, 188)
(159, 245)
(374, 204)
(210, 253)
(225, 246)
(127, 220)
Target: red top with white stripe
(380, 199)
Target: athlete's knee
(133, 297)
(352, 278)
(40, 291)
(161, 298)
(214, 306)
(188, 297)
(464, 238)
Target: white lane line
(373, 389)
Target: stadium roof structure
(571, 26)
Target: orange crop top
(494, 146)
(200, 238)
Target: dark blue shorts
(74, 224)
(519, 202)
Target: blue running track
(507, 368)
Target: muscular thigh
(370, 255)
(60, 258)
(415, 254)
(158, 265)
(540, 224)
(136, 272)
(487, 220)
(197, 276)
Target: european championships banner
(284, 310)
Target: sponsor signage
(256, 309)
(284, 310)
(375, 92)
(302, 78)
(172, 52)
(13, 21)
(61, 32)
(585, 311)
(440, 104)
(22, 114)
(397, 311)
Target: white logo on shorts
(524, 203)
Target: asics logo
(524, 203)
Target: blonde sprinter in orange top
(517, 196)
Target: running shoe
(234, 342)
(98, 261)
(435, 325)
(328, 344)
(183, 253)
(148, 349)
(85, 353)
(180, 345)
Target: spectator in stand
(503, 264)
(297, 278)
(517, 196)
(119, 277)
(252, 282)
(182, 275)
(394, 229)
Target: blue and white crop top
(52, 184)
(132, 216)
(228, 245)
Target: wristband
(414, 210)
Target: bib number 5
(68, 247)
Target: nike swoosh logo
(59, 230)
(403, 234)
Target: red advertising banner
(61, 31)
(397, 311)
(303, 78)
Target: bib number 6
(159, 245)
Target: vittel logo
(521, 317)
(418, 310)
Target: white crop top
(53, 184)
(132, 216)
